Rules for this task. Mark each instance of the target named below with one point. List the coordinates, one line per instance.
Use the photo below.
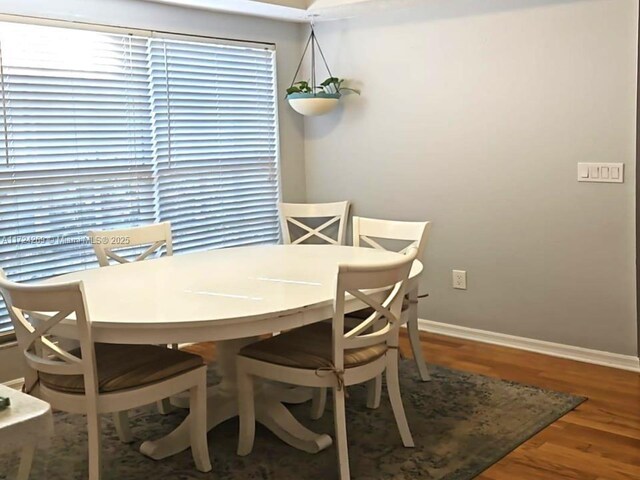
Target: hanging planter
(306, 97)
(312, 104)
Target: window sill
(9, 342)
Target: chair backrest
(368, 283)
(291, 213)
(366, 230)
(106, 241)
(43, 353)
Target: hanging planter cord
(313, 41)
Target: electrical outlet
(460, 279)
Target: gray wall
(145, 15)
(474, 115)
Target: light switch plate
(601, 172)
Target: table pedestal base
(223, 404)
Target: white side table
(27, 422)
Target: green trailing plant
(332, 86)
(300, 87)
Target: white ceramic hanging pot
(311, 105)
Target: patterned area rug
(462, 423)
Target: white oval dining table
(230, 296)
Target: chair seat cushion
(367, 312)
(309, 347)
(121, 367)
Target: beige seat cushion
(308, 347)
(367, 312)
(121, 367)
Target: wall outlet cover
(460, 279)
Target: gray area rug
(462, 423)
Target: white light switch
(601, 172)
(583, 170)
(615, 173)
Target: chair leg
(374, 392)
(198, 425)
(374, 386)
(393, 387)
(416, 347)
(26, 459)
(411, 319)
(164, 406)
(318, 402)
(95, 446)
(340, 425)
(246, 411)
(121, 422)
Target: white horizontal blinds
(215, 143)
(78, 150)
(108, 130)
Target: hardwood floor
(600, 440)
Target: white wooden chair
(104, 243)
(369, 232)
(365, 233)
(328, 355)
(292, 213)
(99, 378)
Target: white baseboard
(597, 357)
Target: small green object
(4, 403)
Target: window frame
(9, 337)
(105, 28)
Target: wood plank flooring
(600, 440)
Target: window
(110, 130)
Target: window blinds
(106, 130)
(214, 143)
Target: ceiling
(289, 10)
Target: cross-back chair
(366, 232)
(155, 236)
(104, 243)
(293, 213)
(328, 355)
(97, 378)
(369, 232)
